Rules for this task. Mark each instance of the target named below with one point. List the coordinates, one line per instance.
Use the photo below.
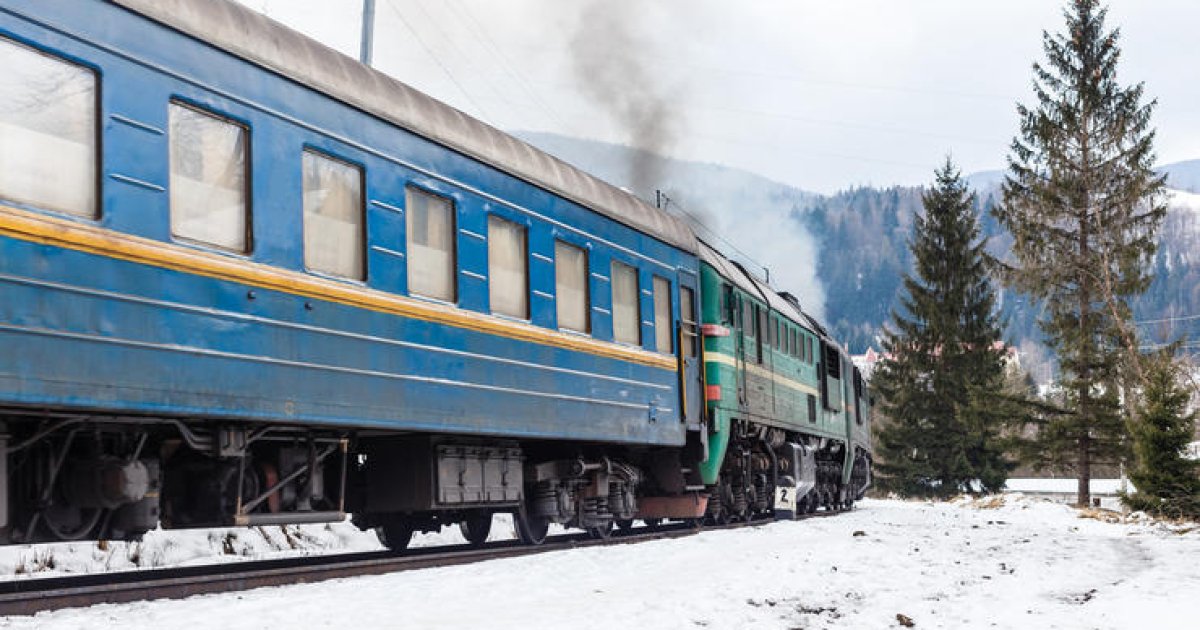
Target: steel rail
(34, 595)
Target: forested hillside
(859, 241)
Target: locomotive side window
(333, 216)
(508, 268)
(571, 287)
(833, 362)
(627, 326)
(47, 131)
(687, 317)
(662, 315)
(431, 251)
(209, 200)
(747, 318)
(760, 327)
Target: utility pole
(368, 32)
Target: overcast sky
(821, 95)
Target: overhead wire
(505, 62)
(449, 40)
(436, 59)
(668, 202)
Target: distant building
(866, 362)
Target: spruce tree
(1166, 481)
(1083, 205)
(943, 368)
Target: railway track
(27, 597)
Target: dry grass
(1102, 515)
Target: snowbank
(1008, 562)
(1065, 485)
(205, 546)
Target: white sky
(821, 95)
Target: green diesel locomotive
(789, 415)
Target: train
(246, 280)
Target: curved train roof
(747, 282)
(257, 38)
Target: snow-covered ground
(1009, 562)
(207, 546)
(1065, 485)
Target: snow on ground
(206, 546)
(1183, 200)
(1009, 562)
(1065, 485)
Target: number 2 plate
(785, 499)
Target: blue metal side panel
(83, 331)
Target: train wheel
(624, 524)
(395, 533)
(603, 532)
(652, 522)
(531, 530)
(476, 528)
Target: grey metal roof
(747, 282)
(255, 37)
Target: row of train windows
(782, 336)
(48, 155)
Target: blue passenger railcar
(245, 279)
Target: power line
(839, 123)
(668, 202)
(448, 38)
(1167, 320)
(437, 60)
(505, 62)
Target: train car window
(508, 268)
(627, 323)
(747, 317)
(662, 315)
(794, 349)
(687, 318)
(333, 217)
(833, 361)
(571, 287)
(729, 310)
(209, 182)
(858, 394)
(760, 325)
(48, 131)
(431, 250)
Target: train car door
(688, 344)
